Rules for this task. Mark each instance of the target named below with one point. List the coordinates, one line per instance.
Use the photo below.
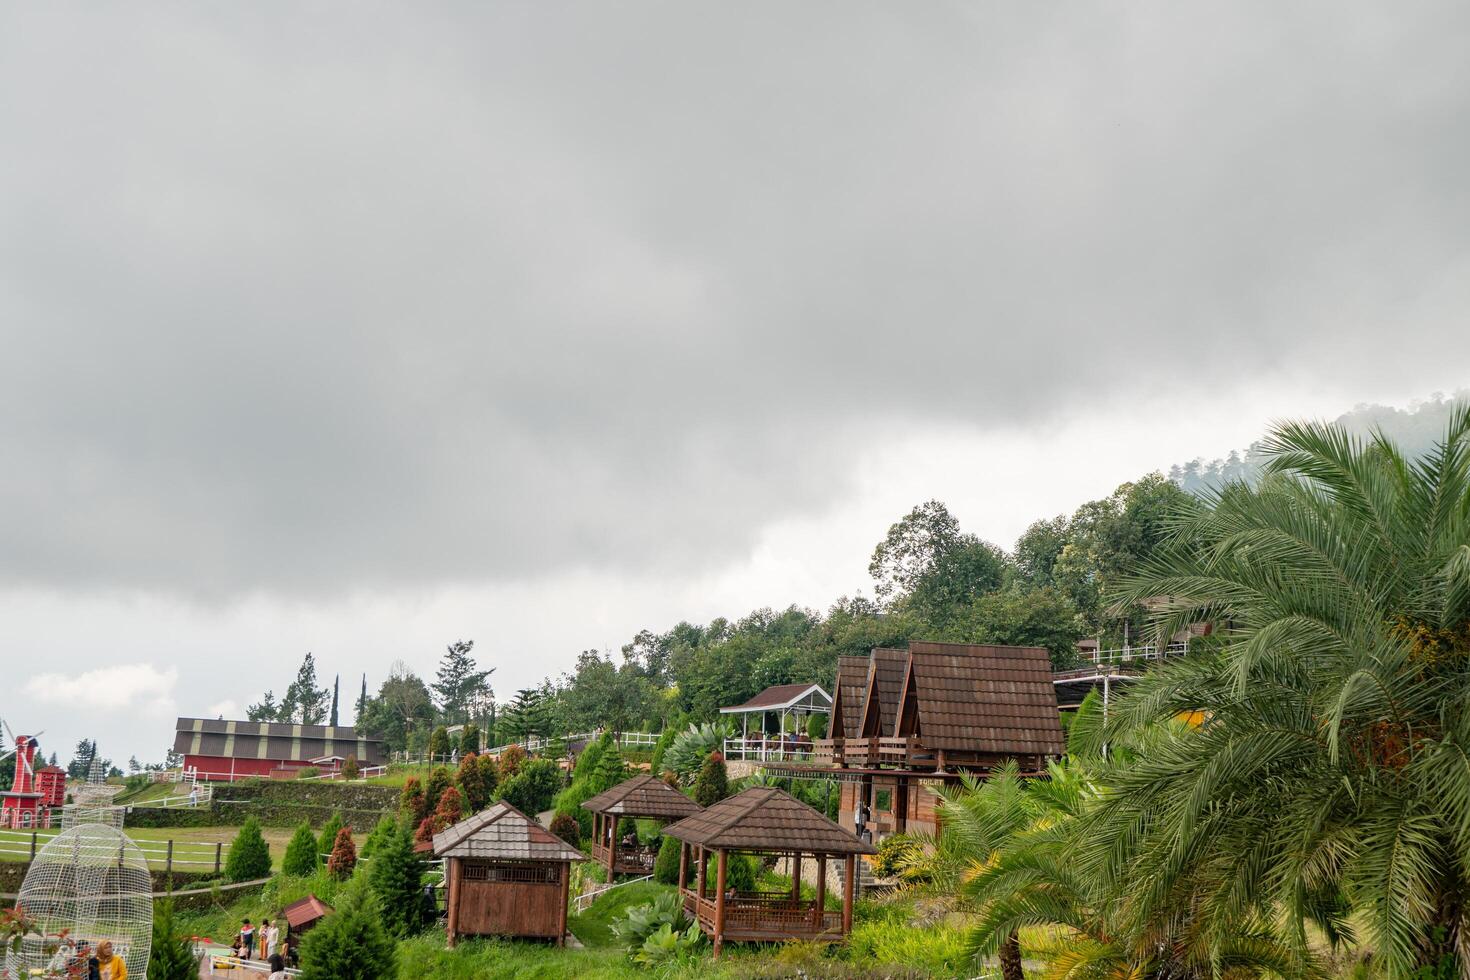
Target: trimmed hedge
(278, 803)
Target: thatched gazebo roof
(766, 820)
(643, 796)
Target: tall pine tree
(461, 688)
(171, 956)
(336, 685)
(395, 874)
(362, 702)
(304, 701)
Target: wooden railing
(765, 915)
(626, 860)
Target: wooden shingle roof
(885, 684)
(305, 910)
(984, 698)
(847, 706)
(766, 819)
(643, 796)
(503, 833)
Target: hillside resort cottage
(223, 751)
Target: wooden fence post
(219, 847)
(168, 858)
(33, 845)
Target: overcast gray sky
(362, 328)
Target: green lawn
(193, 846)
(594, 926)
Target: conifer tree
(328, 837)
(412, 802)
(336, 690)
(302, 857)
(350, 943)
(172, 954)
(396, 876)
(666, 865)
(471, 779)
(349, 768)
(439, 743)
(249, 856)
(712, 784)
(344, 855)
(439, 780)
(385, 826)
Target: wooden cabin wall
(489, 908)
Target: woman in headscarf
(110, 966)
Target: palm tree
(1332, 772)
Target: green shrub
(816, 727)
(440, 779)
(469, 738)
(534, 787)
(249, 857)
(172, 954)
(689, 748)
(439, 742)
(412, 802)
(328, 838)
(713, 783)
(741, 872)
(656, 763)
(472, 783)
(568, 803)
(379, 833)
(667, 946)
(641, 921)
(349, 767)
(894, 851)
(302, 857)
(666, 865)
(351, 943)
(307, 772)
(396, 877)
(567, 829)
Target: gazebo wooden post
(796, 876)
(561, 923)
(451, 884)
(848, 876)
(821, 908)
(720, 901)
(699, 856)
(683, 866)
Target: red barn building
(222, 750)
(35, 793)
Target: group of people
(97, 963)
(263, 943)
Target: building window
(524, 874)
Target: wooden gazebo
(642, 796)
(506, 874)
(764, 821)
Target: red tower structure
(33, 795)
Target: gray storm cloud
(336, 296)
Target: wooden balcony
(622, 860)
(766, 917)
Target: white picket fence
(166, 854)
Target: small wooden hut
(506, 876)
(642, 796)
(769, 822)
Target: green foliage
(1021, 616)
(351, 943)
(816, 726)
(473, 786)
(349, 767)
(666, 865)
(534, 787)
(690, 747)
(172, 954)
(610, 770)
(439, 743)
(667, 945)
(395, 875)
(895, 852)
(567, 828)
(328, 837)
(742, 871)
(249, 857)
(302, 855)
(440, 779)
(412, 803)
(660, 747)
(713, 784)
(1329, 780)
(379, 833)
(591, 756)
(641, 921)
(470, 738)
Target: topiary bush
(349, 767)
(439, 743)
(344, 856)
(534, 787)
(328, 838)
(375, 838)
(666, 865)
(440, 779)
(567, 828)
(471, 780)
(302, 857)
(510, 761)
(172, 954)
(396, 877)
(656, 763)
(713, 783)
(896, 853)
(351, 943)
(249, 856)
(412, 802)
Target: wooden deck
(766, 917)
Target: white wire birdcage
(89, 884)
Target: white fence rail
(1130, 654)
(767, 749)
(535, 743)
(585, 899)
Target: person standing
(247, 940)
(270, 936)
(109, 965)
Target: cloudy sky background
(362, 328)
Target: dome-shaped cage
(89, 884)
